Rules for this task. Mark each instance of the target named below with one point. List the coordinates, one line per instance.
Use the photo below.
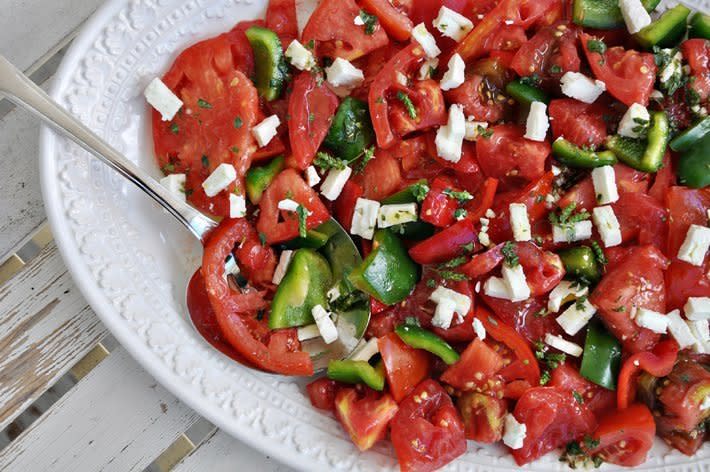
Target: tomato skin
(697, 53)
(322, 392)
(627, 180)
(405, 366)
(472, 95)
(256, 261)
(311, 108)
(281, 18)
(633, 427)
(688, 384)
(476, 368)
(446, 244)
(621, 71)
(553, 45)
(642, 218)
(364, 414)
(578, 122)
(638, 281)
(598, 399)
(483, 416)
(396, 23)
(428, 100)
(288, 184)
(427, 432)
(438, 208)
(658, 363)
(382, 176)
(344, 207)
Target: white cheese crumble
(452, 24)
(365, 351)
(695, 245)
(265, 131)
(237, 206)
(537, 123)
(449, 138)
(425, 39)
(479, 329)
(219, 179)
(175, 184)
(455, 75)
(308, 332)
(604, 181)
(578, 231)
(325, 324)
(607, 225)
(341, 73)
(474, 129)
(565, 291)
(282, 267)
(513, 432)
(634, 122)
(581, 87)
(364, 218)
(679, 330)
(288, 205)
(299, 56)
(514, 278)
(576, 317)
(651, 320)
(160, 97)
(312, 177)
(635, 15)
(519, 222)
(396, 214)
(697, 308)
(426, 71)
(497, 288)
(563, 345)
(335, 181)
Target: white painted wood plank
(45, 328)
(115, 419)
(221, 453)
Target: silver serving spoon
(22, 91)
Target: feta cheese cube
(300, 57)
(390, 215)
(633, 122)
(333, 294)
(426, 71)
(537, 123)
(484, 239)
(237, 206)
(564, 292)
(365, 218)
(365, 351)
(288, 205)
(444, 313)
(175, 183)
(514, 277)
(604, 181)
(358, 21)
(563, 345)
(607, 225)
(160, 97)
(334, 183)
(519, 222)
(402, 79)
(576, 317)
(581, 87)
(697, 308)
(490, 213)
(266, 130)
(343, 74)
(282, 267)
(695, 245)
(700, 331)
(497, 288)
(452, 24)
(479, 329)
(454, 76)
(308, 332)
(635, 15)
(474, 129)
(425, 39)
(513, 432)
(679, 330)
(462, 302)
(449, 138)
(312, 177)
(579, 231)
(219, 179)
(651, 320)
(325, 324)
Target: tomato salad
(526, 182)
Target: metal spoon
(22, 91)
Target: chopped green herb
(461, 196)
(567, 218)
(311, 117)
(262, 238)
(367, 156)
(484, 133)
(620, 309)
(174, 128)
(555, 69)
(370, 22)
(407, 102)
(551, 360)
(168, 168)
(579, 303)
(455, 262)
(205, 161)
(532, 80)
(380, 100)
(578, 397)
(311, 44)
(468, 247)
(541, 313)
(430, 283)
(204, 104)
(452, 275)
(420, 191)
(599, 253)
(325, 162)
(238, 122)
(596, 45)
(234, 149)
(509, 255)
(460, 213)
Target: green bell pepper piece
(304, 286)
(667, 31)
(603, 14)
(694, 165)
(602, 356)
(314, 240)
(420, 338)
(414, 230)
(259, 178)
(580, 263)
(572, 155)
(691, 136)
(387, 273)
(699, 26)
(355, 372)
(648, 157)
(415, 193)
(269, 62)
(526, 94)
(351, 131)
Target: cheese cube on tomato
(425, 39)
(604, 181)
(581, 87)
(325, 324)
(695, 245)
(288, 205)
(635, 15)
(537, 123)
(634, 121)
(517, 283)
(160, 97)
(514, 433)
(497, 288)
(576, 317)
(479, 329)
(335, 181)
(237, 206)
(265, 131)
(454, 76)
(444, 313)
(563, 345)
(396, 214)
(651, 320)
(219, 179)
(607, 225)
(312, 177)
(365, 218)
(519, 222)
(578, 231)
(449, 138)
(300, 57)
(679, 330)
(452, 24)
(365, 351)
(282, 267)
(175, 183)
(564, 292)
(341, 73)
(697, 308)
(462, 302)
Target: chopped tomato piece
(281, 18)
(598, 399)
(439, 205)
(322, 392)
(364, 414)
(478, 99)
(483, 416)
(697, 53)
(550, 53)
(345, 204)
(581, 123)
(405, 366)
(682, 396)
(625, 436)
(446, 244)
(395, 22)
(475, 370)
(658, 363)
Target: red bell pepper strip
(658, 363)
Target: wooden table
(70, 397)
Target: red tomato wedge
(364, 414)
(405, 366)
(625, 436)
(281, 18)
(476, 369)
(395, 22)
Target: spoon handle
(22, 91)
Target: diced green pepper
(580, 263)
(667, 31)
(351, 131)
(691, 136)
(387, 273)
(573, 156)
(420, 338)
(603, 14)
(699, 26)
(414, 230)
(526, 94)
(602, 356)
(314, 240)
(304, 286)
(269, 63)
(355, 372)
(694, 165)
(259, 178)
(646, 157)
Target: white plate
(132, 261)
